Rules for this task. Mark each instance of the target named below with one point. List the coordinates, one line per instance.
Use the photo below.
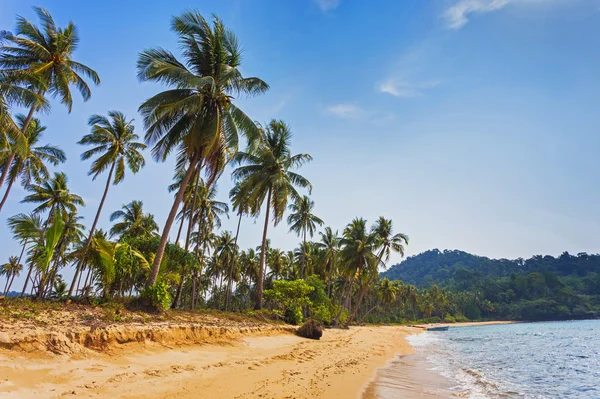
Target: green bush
(460, 318)
(449, 318)
(322, 314)
(289, 297)
(158, 295)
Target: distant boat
(437, 328)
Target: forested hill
(460, 269)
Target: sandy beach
(283, 365)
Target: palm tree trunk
(27, 280)
(10, 184)
(181, 224)
(237, 233)
(11, 281)
(169, 223)
(263, 250)
(303, 272)
(329, 279)
(12, 156)
(89, 240)
(5, 291)
(196, 177)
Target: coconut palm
(53, 195)
(386, 242)
(357, 254)
(26, 229)
(302, 220)
(225, 252)
(266, 174)
(30, 164)
(11, 269)
(330, 246)
(196, 115)
(134, 222)
(42, 58)
(117, 148)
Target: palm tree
(11, 269)
(330, 245)
(26, 229)
(225, 252)
(302, 220)
(196, 115)
(266, 173)
(134, 222)
(53, 195)
(357, 254)
(115, 142)
(30, 164)
(386, 242)
(42, 58)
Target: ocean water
(529, 360)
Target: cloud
(402, 88)
(459, 13)
(347, 111)
(326, 5)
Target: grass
(45, 312)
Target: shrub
(449, 318)
(289, 297)
(158, 295)
(321, 314)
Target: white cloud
(348, 111)
(457, 15)
(402, 88)
(326, 5)
(460, 12)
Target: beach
(279, 365)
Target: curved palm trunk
(237, 233)
(10, 184)
(169, 223)
(181, 224)
(27, 280)
(89, 240)
(13, 155)
(259, 283)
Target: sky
(472, 124)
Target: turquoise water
(532, 360)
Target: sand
(280, 365)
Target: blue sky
(473, 124)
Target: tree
(385, 242)
(357, 254)
(330, 246)
(42, 58)
(134, 222)
(196, 116)
(26, 229)
(302, 220)
(266, 173)
(53, 195)
(11, 269)
(115, 144)
(29, 164)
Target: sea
(526, 360)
